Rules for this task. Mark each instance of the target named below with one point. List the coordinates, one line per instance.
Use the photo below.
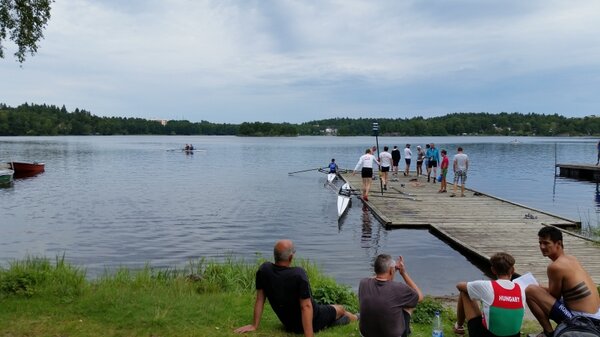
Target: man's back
(576, 286)
(461, 160)
(382, 305)
(385, 158)
(284, 287)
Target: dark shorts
(395, 162)
(367, 172)
(560, 312)
(323, 316)
(407, 161)
(476, 328)
(385, 169)
(432, 163)
(444, 172)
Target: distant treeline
(49, 120)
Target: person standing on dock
(570, 292)
(386, 160)
(427, 167)
(395, 160)
(288, 290)
(420, 158)
(434, 157)
(407, 159)
(598, 150)
(385, 305)
(365, 163)
(502, 301)
(460, 166)
(444, 168)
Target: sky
(228, 61)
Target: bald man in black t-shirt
(289, 294)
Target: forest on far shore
(49, 120)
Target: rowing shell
(331, 177)
(343, 200)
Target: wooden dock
(579, 171)
(478, 225)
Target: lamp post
(376, 134)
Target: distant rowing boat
(184, 150)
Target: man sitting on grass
(503, 302)
(288, 291)
(386, 305)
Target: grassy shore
(40, 297)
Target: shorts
(367, 172)
(461, 176)
(476, 328)
(324, 316)
(407, 161)
(385, 169)
(444, 172)
(432, 163)
(406, 317)
(419, 162)
(560, 312)
(395, 162)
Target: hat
(418, 146)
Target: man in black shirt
(288, 291)
(395, 160)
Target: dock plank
(478, 224)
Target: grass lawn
(39, 297)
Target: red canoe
(27, 168)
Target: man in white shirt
(460, 166)
(407, 158)
(365, 164)
(385, 158)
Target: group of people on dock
(488, 308)
(388, 162)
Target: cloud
(284, 60)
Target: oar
(313, 169)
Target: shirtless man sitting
(570, 292)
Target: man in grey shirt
(385, 305)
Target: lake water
(126, 201)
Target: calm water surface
(125, 201)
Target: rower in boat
(333, 168)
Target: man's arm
(409, 282)
(555, 278)
(306, 309)
(462, 286)
(258, 310)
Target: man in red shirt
(444, 167)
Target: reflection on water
(112, 201)
(367, 229)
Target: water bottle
(438, 330)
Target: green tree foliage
(23, 22)
(457, 124)
(258, 129)
(38, 120)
